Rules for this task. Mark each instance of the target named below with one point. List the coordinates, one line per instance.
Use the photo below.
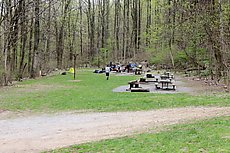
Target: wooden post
(75, 58)
(228, 79)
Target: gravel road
(48, 131)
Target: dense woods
(37, 36)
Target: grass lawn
(93, 92)
(211, 136)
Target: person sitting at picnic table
(128, 67)
(107, 70)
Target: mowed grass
(93, 92)
(212, 136)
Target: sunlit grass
(92, 92)
(212, 136)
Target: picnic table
(138, 71)
(151, 78)
(134, 84)
(150, 75)
(164, 77)
(165, 84)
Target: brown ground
(45, 132)
(202, 86)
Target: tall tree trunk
(60, 39)
(81, 26)
(117, 27)
(217, 42)
(103, 26)
(15, 24)
(91, 28)
(139, 26)
(107, 34)
(124, 31)
(128, 41)
(48, 40)
(148, 24)
(30, 64)
(35, 57)
(23, 40)
(171, 23)
(135, 27)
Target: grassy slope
(204, 136)
(92, 92)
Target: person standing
(107, 71)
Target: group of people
(128, 68)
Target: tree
(35, 55)
(43, 35)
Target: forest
(38, 36)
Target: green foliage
(1, 75)
(98, 61)
(203, 136)
(159, 58)
(181, 59)
(103, 50)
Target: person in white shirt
(107, 70)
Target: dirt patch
(45, 132)
(74, 80)
(201, 86)
(31, 88)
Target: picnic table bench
(139, 90)
(142, 80)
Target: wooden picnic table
(164, 77)
(150, 75)
(134, 84)
(138, 71)
(165, 84)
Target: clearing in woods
(27, 125)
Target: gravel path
(45, 132)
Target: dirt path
(44, 132)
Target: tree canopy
(41, 35)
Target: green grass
(210, 136)
(93, 92)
